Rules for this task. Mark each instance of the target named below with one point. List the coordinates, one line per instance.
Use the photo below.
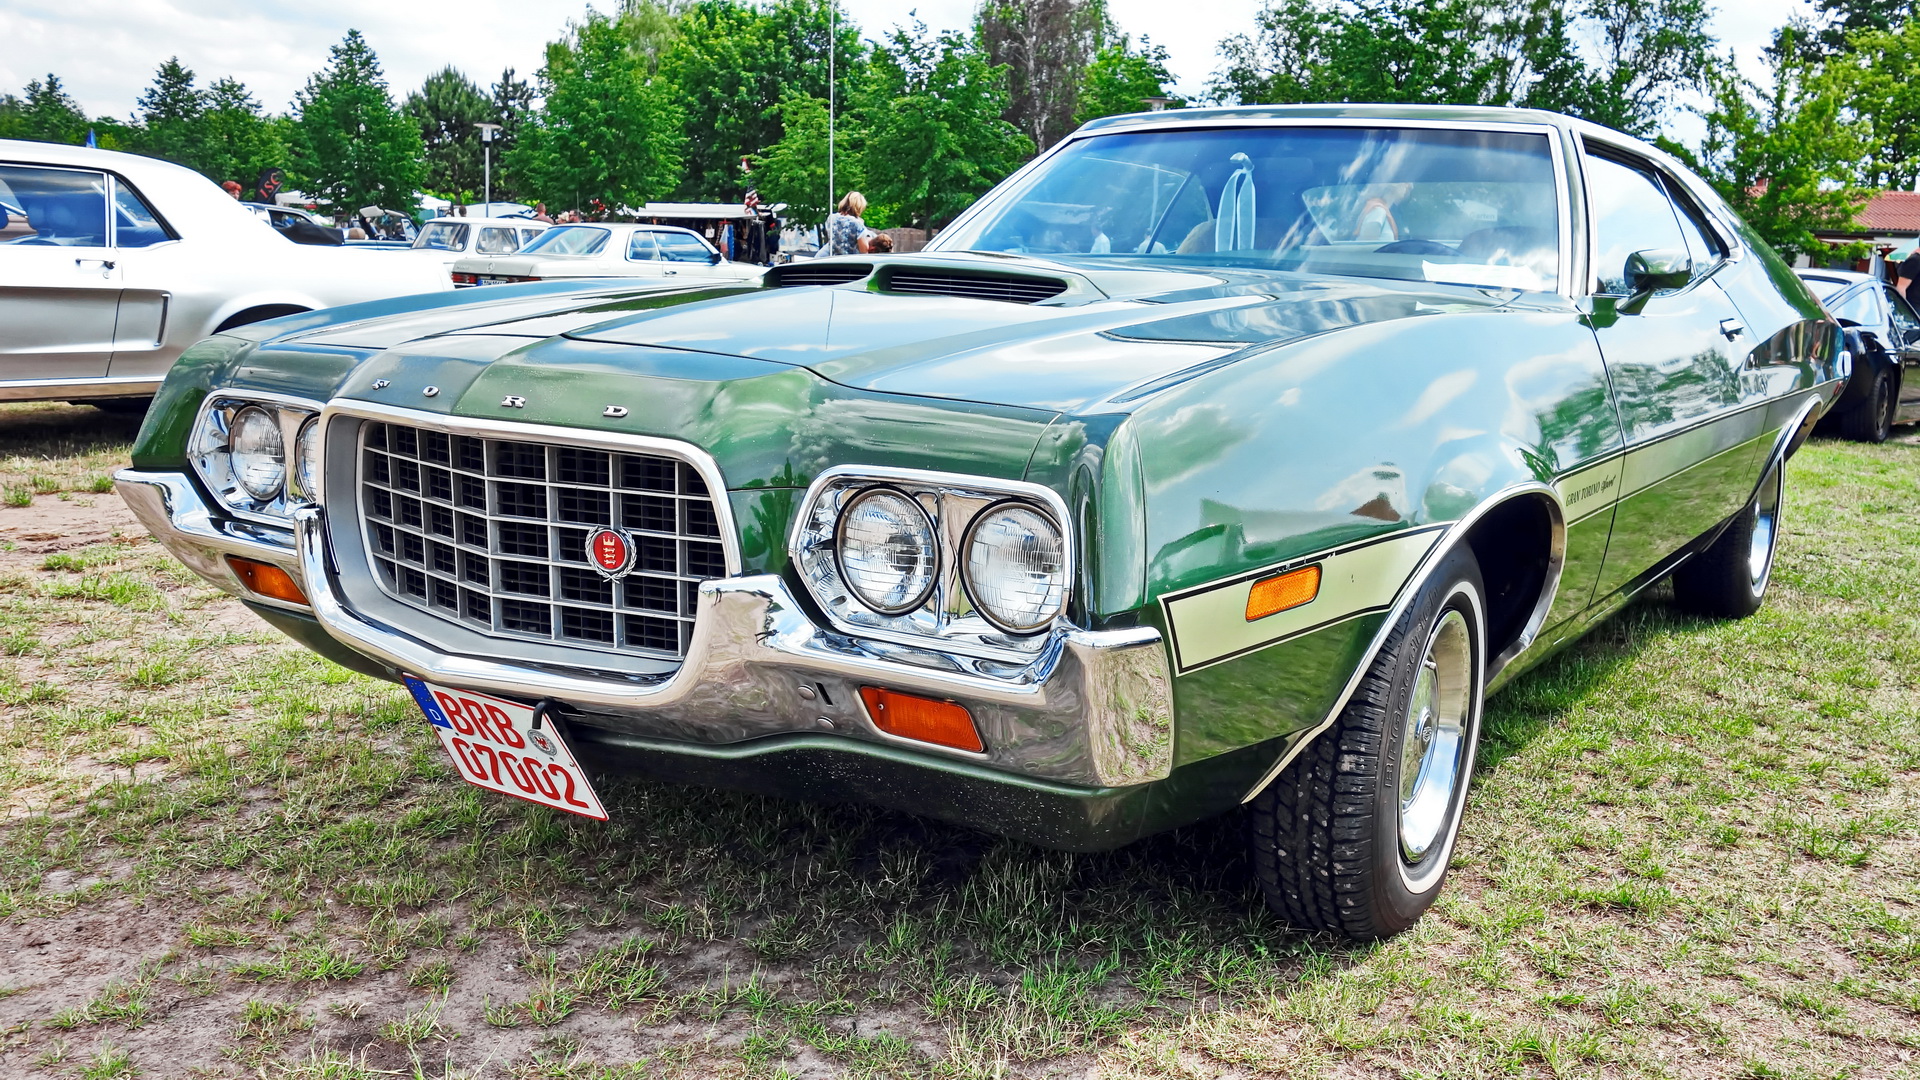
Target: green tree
(1650, 50)
(45, 113)
(794, 170)
(171, 112)
(1881, 72)
(1837, 22)
(1782, 155)
(445, 110)
(1046, 47)
(608, 129)
(733, 64)
(237, 142)
(512, 103)
(351, 147)
(1122, 78)
(934, 137)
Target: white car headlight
(1015, 568)
(888, 554)
(306, 461)
(259, 453)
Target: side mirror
(716, 258)
(1652, 270)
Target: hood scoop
(793, 275)
(970, 284)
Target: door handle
(106, 265)
(1732, 328)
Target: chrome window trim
(289, 435)
(1043, 498)
(1662, 167)
(1563, 208)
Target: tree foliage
(934, 137)
(794, 170)
(1122, 78)
(170, 112)
(733, 65)
(445, 110)
(1047, 47)
(45, 113)
(351, 146)
(1774, 152)
(1639, 54)
(609, 130)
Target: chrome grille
(492, 533)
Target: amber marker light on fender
(921, 719)
(1283, 592)
(266, 580)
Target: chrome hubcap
(1766, 529)
(1433, 738)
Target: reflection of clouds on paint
(1180, 443)
(1369, 492)
(1439, 393)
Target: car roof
(1849, 277)
(628, 226)
(513, 221)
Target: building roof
(1892, 212)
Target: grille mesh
(794, 274)
(492, 534)
(975, 287)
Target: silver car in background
(112, 264)
(452, 239)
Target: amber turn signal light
(921, 719)
(1281, 592)
(266, 580)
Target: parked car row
(1220, 460)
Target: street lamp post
(486, 155)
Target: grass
(1689, 854)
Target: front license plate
(495, 746)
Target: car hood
(1113, 336)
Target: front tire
(1871, 420)
(1355, 835)
(1729, 580)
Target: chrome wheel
(1766, 530)
(1434, 749)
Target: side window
(1705, 248)
(641, 248)
(527, 235)
(134, 225)
(1906, 325)
(498, 241)
(59, 207)
(1630, 213)
(678, 247)
(1860, 307)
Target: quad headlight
(240, 450)
(978, 566)
(887, 552)
(1016, 567)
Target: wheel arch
(1531, 509)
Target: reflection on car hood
(1126, 332)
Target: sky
(105, 51)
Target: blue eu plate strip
(424, 698)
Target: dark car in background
(1883, 333)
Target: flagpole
(833, 39)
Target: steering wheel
(1415, 247)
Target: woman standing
(846, 231)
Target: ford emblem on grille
(610, 551)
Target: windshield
(442, 236)
(1468, 207)
(568, 240)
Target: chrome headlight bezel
(947, 620)
(210, 453)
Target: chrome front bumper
(1093, 708)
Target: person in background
(540, 213)
(846, 231)
(232, 188)
(356, 233)
(879, 244)
(1909, 277)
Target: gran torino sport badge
(611, 552)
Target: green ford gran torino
(1219, 460)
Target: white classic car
(112, 264)
(455, 238)
(606, 250)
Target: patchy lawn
(1691, 852)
